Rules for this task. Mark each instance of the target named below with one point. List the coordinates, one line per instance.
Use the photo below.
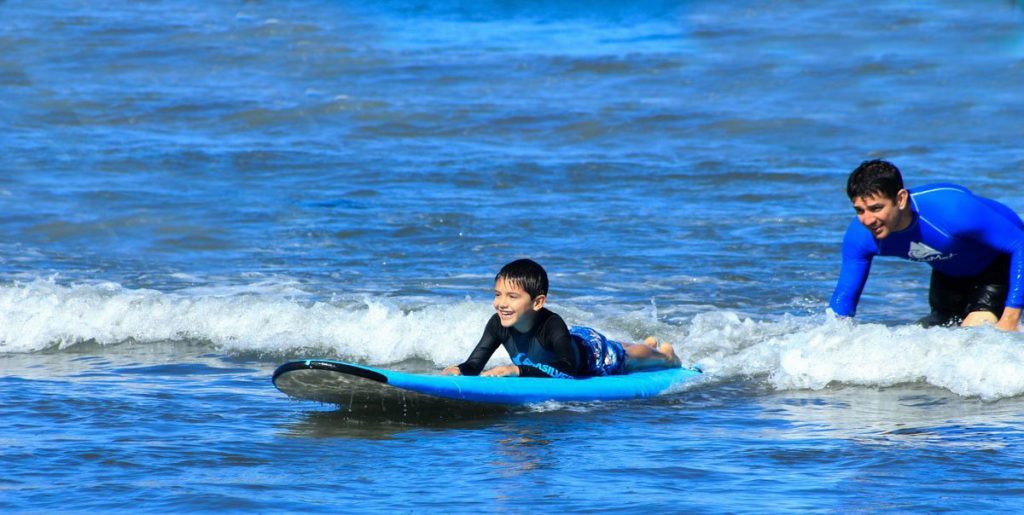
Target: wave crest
(790, 353)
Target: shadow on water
(376, 413)
(366, 409)
(381, 425)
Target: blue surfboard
(336, 382)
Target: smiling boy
(974, 245)
(539, 342)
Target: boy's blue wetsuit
(549, 349)
(956, 232)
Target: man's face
(882, 215)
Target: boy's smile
(514, 306)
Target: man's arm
(853, 273)
(998, 226)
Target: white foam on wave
(791, 353)
(814, 353)
(42, 314)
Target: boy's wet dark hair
(526, 274)
(874, 177)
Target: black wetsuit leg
(953, 298)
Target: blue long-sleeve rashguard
(956, 232)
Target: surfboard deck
(338, 382)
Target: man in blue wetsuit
(974, 245)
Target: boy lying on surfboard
(541, 345)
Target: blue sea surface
(192, 193)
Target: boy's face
(514, 306)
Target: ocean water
(192, 193)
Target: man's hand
(1010, 321)
(451, 371)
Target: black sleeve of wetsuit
(554, 335)
(488, 343)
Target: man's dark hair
(526, 274)
(875, 177)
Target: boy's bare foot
(670, 353)
(651, 342)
